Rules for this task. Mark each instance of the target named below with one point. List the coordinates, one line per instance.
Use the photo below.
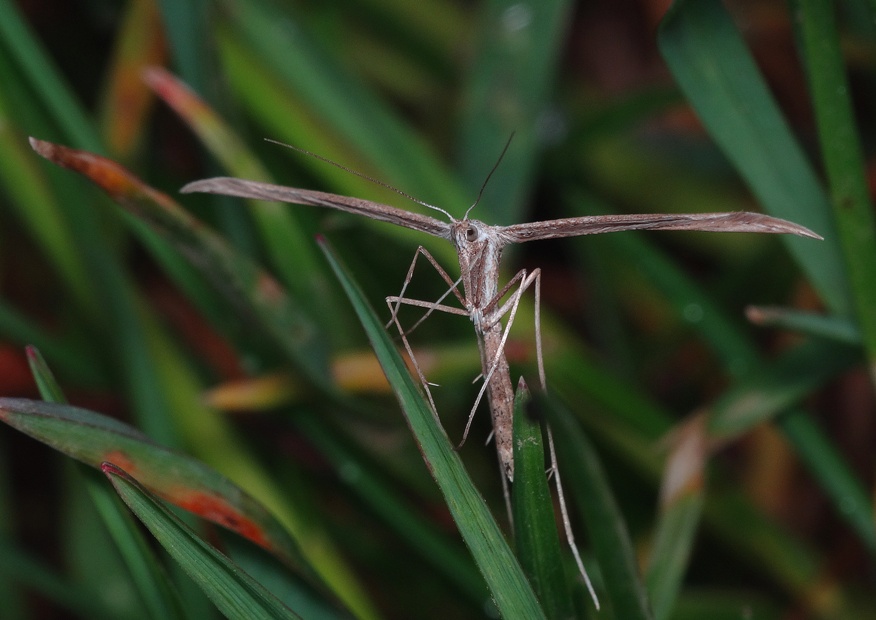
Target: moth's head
(466, 233)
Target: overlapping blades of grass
(182, 480)
(153, 586)
(233, 591)
(718, 76)
(252, 291)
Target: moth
(479, 249)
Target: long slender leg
(410, 352)
(453, 286)
(395, 302)
(567, 524)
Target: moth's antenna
(361, 175)
(487, 180)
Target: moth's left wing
(739, 221)
(242, 188)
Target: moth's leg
(400, 298)
(567, 524)
(477, 401)
(511, 304)
(395, 302)
(410, 352)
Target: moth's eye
(471, 233)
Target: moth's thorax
(479, 249)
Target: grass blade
(624, 592)
(234, 592)
(183, 481)
(535, 525)
(843, 160)
(711, 64)
(254, 293)
(506, 92)
(511, 591)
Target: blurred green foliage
(714, 468)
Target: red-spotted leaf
(181, 480)
(235, 593)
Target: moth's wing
(242, 188)
(592, 225)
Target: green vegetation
(223, 425)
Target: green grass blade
(585, 481)
(507, 92)
(768, 390)
(155, 590)
(234, 592)
(717, 74)
(511, 591)
(92, 439)
(681, 502)
(844, 160)
(45, 379)
(836, 328)
(253, 292)
(62, 106)
(535, 525)
(320, 82)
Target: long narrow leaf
(719, 77)
(511, 591)
(181, 480)
(252, 290)
(234, 592)
(843, 160)
(625, 592)
(535, 525)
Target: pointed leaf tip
(41, 146)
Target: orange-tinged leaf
(179, 96)
(126, 100)
(255, 294)
(186, 482)
(113, 178)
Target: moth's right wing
(242, 188)
(739, 221)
